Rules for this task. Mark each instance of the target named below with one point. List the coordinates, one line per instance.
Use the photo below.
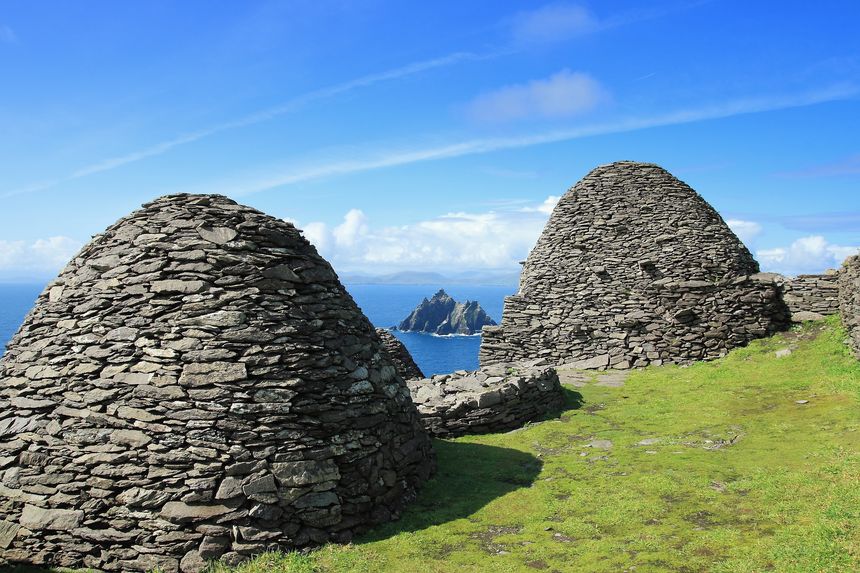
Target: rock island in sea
(443, 315)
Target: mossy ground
(733, 476)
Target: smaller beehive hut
(197, 384)
(399, 355)
(634, 268)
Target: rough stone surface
(185, 390)
(849, 299)
(493, 399)
(811, 297)
(399, 355)
(634, 268)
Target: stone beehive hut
(634, 268)
(197, 384)
(399, 355)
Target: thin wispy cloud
(845, 221)
(553, 23)
(564, 94)
(561, 21)
(299, 174)
(268, 114)
(847, 166)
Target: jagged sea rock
(442, 315)
(197, 384)
(635, 268)
(399, 355)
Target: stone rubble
(197, 384)
(399, 355)
(849, 299)
(634, 268)
(495, 398)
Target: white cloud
(811, 254)
(7, 35)
(455, 241)
(546, 207)
(563, 94)
(747, 231)
(38, 258)
(553, 23)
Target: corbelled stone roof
(399, 355)
(198, 384)
(634, 267)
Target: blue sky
(426, 135)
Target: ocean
(384, 305)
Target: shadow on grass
(469, 477)
(573, 400)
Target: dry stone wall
(634, 268)
(849, 299)
(197, 384)
(493, 399)
(811, 297)
(399, 355)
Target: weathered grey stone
(299, 473)
(8, 531)
(177, 286)
(217, 235)
(37, 518)
(181, 512)
(206, 373)
(133, 438)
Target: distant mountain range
(489, 278)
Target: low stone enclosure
(197, 384)
(399, 355)
(849, 298)
(495, 398)
(811, 297)
(635, 268)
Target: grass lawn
(715, 468)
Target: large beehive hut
(634, 268)
(198, 384)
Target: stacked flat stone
(811, 297)
(197, 384)
(399, 355)
(634, 268)
(849, 299)
(495, 398)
